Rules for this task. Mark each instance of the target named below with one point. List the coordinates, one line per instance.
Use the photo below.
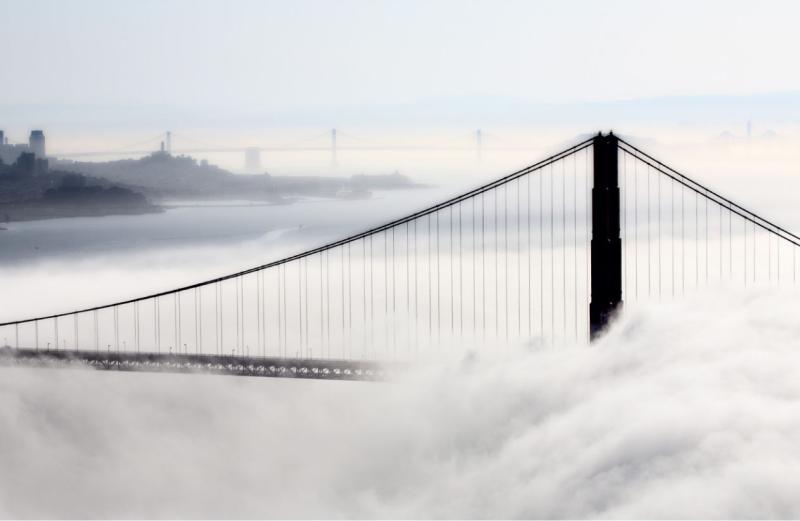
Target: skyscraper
(36, 143)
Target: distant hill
(29, 190)
(163, 176)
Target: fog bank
(689, 409)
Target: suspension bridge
(545, 255)
(328, 142)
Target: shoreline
(26, 212)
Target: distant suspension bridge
(329, 142)
(545, 255)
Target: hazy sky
(266, 55)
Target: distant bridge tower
(479, 146)
(252, 160)
(334, 159)
(169, 142)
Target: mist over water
(684, 410)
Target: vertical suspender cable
(575, 236)
(416, 289)
(588, 212)
(452, 277)
(322, 267)
(649, 242)
(744, 249)
(683, 244)
(530, 297)
(552, 257)
(483, 263)
(394, 299)
(540, 174)
(305, 296)
(505, 256)
(350, 298)
(658, 190)
(564, 248)
(624, 201)
(438, 280)
(328, 298)
(706, 219)
(696, 241)
(386, 288)
(474, 274)
(769, 256)
(280, 310)
(301, 348)
(344, 314)
(730, 241)
(496, 270)
(364, 291)
(430, 282)
(519, 266)
(636, 226)
(460, 274)
(672, 234)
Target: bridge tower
(479, 145)
(169, 142)
(606, 245)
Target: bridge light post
(606, 245)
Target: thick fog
(687, 408)
(684, 410)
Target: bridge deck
(196, 363)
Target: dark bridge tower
(606, 262)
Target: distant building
(36, 143)
(9, 153)
(27, 163)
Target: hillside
(163, 176)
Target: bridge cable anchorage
(305, 342)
